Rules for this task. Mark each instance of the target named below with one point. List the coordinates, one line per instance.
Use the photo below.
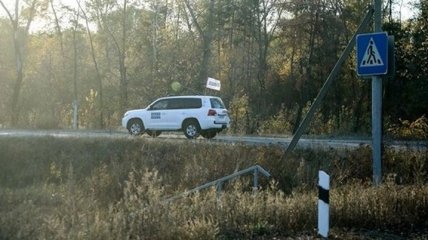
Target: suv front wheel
(135, 127)
(191, 129)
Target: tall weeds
(115, 189)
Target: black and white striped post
(323, 203)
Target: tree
(19, 35)
(114, 23)
(97, 70)
(75, 71)
(7, 71)
(206, 36)
(406, 94)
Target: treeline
(272, 57)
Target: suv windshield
(216, 103)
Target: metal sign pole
(377, 106)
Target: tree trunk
(17, 87)
(14, 109)
(99, 79)
(123, 84)
(307, 72)
(75, 103)
(59, 32)
(122, 66)
(206, 42)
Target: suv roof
(188, 96)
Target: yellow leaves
(92, 96)
(417, 129)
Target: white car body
(207, 113)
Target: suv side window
(174, 103)
(192, 102)
(216, 103)
(160, 105)
(185, 103)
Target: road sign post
(377, 106)
(372, 60)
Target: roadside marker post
(323, 204)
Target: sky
(406, 7)
(407, 10)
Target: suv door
(156, 115)
(167, 114)
(182, 108)
(173, 115)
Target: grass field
(55, 188)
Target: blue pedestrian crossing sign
(372, 54)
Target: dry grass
(114, 189)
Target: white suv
(195, 115)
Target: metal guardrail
(256, 169)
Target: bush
(240, 114)
(280, 123)
(406, 129)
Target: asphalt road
(306, 142)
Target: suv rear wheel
(191, 129)
(135, 127)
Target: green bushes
(53, 188)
